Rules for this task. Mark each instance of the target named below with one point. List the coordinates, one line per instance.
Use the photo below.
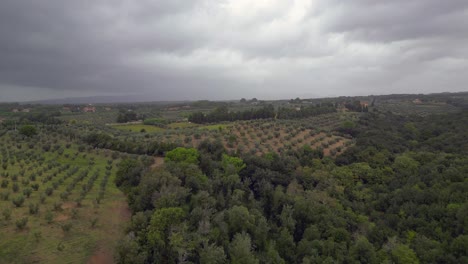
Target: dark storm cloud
(182, 49)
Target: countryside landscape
(233, 132)
(350, 179)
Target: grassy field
(74, 211)
(138, 128)
(182, 125)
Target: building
(364, 103)
(89, 109)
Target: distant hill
(100, 100)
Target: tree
(286, 246)
(128, 252)
(212, 254)
(402, 254)
(28, 130)
(240, 219)
(128, 173)
(363, 251)
(459, 246)
(160, 231)
(240, 250)
(405, 165)
(234, 162)
(185, 155)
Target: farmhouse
(364, 103)
(89, 109)
(417, 101)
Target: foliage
(183, 155)
(28, 130)
(387, 199)
(127, 116)
(222, 113)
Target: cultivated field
(254, 136)
(58, 201)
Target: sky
(229, 49)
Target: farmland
(257, 136)
(285, 186)
(58, 201)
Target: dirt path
(115, 217)
(118, 214)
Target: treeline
(222, 113)
(160, 122)
(386, 204)
(305, 111)
(41, 118)
(128, 115)
(47, 118)
(103, 140)
(268, 111)
(396, 134)
(356, 106)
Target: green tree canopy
(237, 163)
(28, 130)
(185, 155)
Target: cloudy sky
(228, 49)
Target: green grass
(138, 128)
(182, 125)
(214, 127)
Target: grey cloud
(178, 49)
(398, 20)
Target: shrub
(6, 214)
(67, 227)
(49, 217)
(27, 192)
(21, 223)
(5, 196)
(5, 183)
(42, 198)
(18, 201)
(37, 235)
(35, 186)
(49, 191)
(33, 208)
(15, 187)
(64, 195)
(74, 213)
(60, 246)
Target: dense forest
(398, 196)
